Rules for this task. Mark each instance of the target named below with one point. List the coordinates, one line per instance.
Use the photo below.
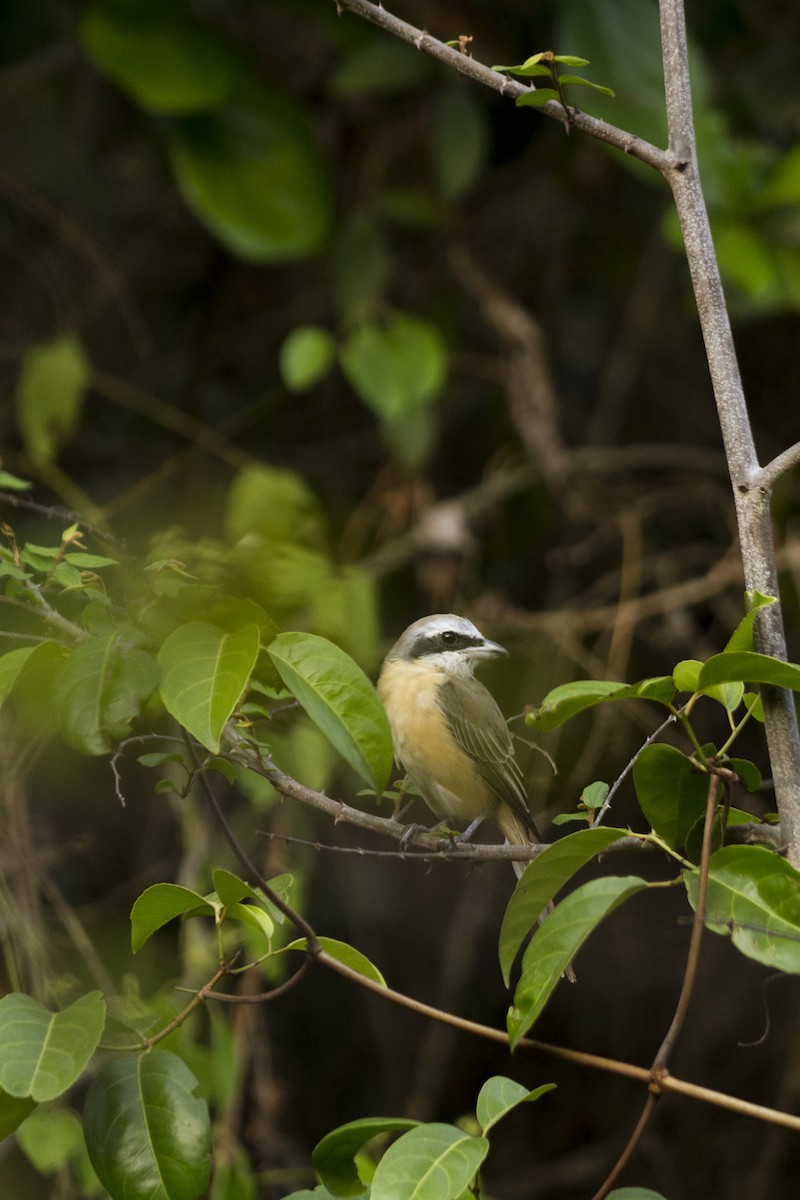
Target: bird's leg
(414, 828)
(468, 832)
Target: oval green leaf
(42, 1053)
(100, 690)
(569, 699)
(305, 356)
(556, 942)
(544, 876)
(252, 174)
(397, 368)
(754, 898)
(346, 954)
(159, 904)
(671, 792)
(431, 1162)
(749, 667)
(340, 700)
(50, 390)
(334, 1157)
(158, 54)
(204, 673)
(147, 1133)
(500, 1095)
(13, 1111)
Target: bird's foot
(466, 836)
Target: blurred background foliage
(287, 302)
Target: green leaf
(594, 795)
(635, 1193)
(578, 81)
(11, 665)
(148, 1135)
(89, 562)
(43, 1053)
(340, 700)
(49, 395)
(748, 773)
(157, 53)
(742, 636)
(346, 954)
(334, 1156)
(253, 175)
(431, 1162)
(686, 675)
(305, 357)
(753, 897)
(100, 690)
(556, 942)
(568, 699)
(275, 502)
(749, 667)
(570, 60)
(204, 674)
(500, 1095)
(544, 876)
(671, 792)
(536, 97)
(50, 1138)
(378, 66)
(12, 483)
(13, 1111)
(397, 368)
(160, 903)
(459, 141)
(33, 685)
(527, 71)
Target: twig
(658, 1070)
(662, 160)
(669, 1083)
(769, 475)
(256, 877)
(601, 812)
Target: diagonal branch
(661, 160)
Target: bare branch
(769, 475)
(663, 161)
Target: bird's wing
(479, 728)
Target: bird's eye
(448, 637)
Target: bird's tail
(517, 833)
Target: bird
(448, 731)
(449, 734)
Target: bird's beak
(488, 650)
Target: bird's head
(445, 641)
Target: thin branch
(769, 475)
(669, 1083)
(663, 161)
(633, 1142)
(606, 805)
(312, 945)
(693, 957)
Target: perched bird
(448, 731)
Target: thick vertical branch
(751, 494)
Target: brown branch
(669, 1083)
(662, 160)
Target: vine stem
(658, 1070)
